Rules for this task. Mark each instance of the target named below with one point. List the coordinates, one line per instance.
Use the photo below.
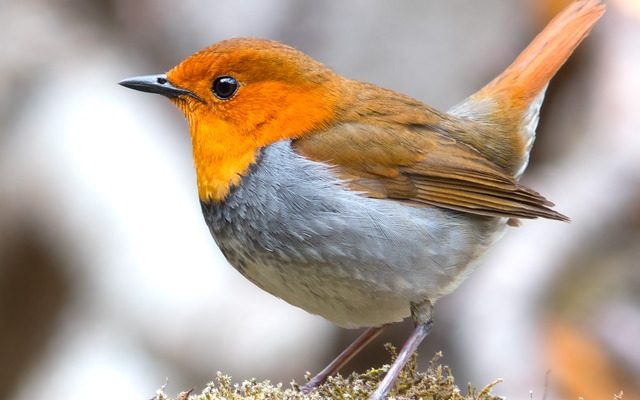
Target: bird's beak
(156, 84)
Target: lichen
(436, 383)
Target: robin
(351, 201)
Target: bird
(354, 202)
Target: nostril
(161, 80)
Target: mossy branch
(436, 382)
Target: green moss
(436, 383)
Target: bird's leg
(421, 314)
(344, 357)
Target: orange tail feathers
(508, 107)
(529, 74)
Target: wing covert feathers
(422, 167)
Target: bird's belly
(349, 296)
(353, 291)
(296, 232)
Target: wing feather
(422, 166)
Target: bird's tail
(511, 101)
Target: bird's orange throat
(219, 158)
(225, 145)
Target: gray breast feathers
(296, 231)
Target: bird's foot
(421, 314)
(365, 338)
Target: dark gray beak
(156, 84)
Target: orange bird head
(240, 95)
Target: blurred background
(110, 283)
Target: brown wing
(419, 165)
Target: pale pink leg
(422, 317)
(344, 357)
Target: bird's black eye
(224, 87)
